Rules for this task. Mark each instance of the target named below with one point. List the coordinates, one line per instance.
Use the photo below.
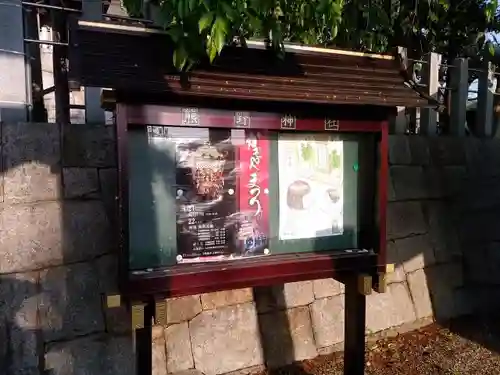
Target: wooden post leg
(355, 319)
(141, 320)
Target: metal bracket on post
(389, 268)
(161, 312)
(380, 284)
(364, 284)
(138, 315)
(113, 301)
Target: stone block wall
(58, 256)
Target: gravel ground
(468, 346)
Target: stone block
(390, 309)
(118, 319)
(1, 182)
(71, 303)
(493, 256)
(102, 355)
(231, 330)
(442, 233)
(254, 370)
(392, 257)
(107, 271)
(478, 194)
(408, 182)
(19, 300)
(475, 158)
(192, 371)
(183, 309)
(486, 299)
(30, 182)
(415, 252)
(80, 183)
(391, 192)
(30, 237)
(443, 302)
(86, 230)
(31, 162)
(399, 150)
(327, 288)
(455, 180)
(480, 227)
(159, 358)
(327, 315)
(419, 150)
(108, 183)
(4, 338)
(405, 219)
(33, 236)
(443, 281)
(419, 289)
(483, 157)
(435, 185)
(283, 296)
(89, 146)
(226, 298)
(449, 276)
(464, 302)
(178, 344)
(447, 151)
(477, 265)
(287, 336)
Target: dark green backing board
(152, 224)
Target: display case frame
(188, 279)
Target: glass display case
(200, 194)
(206, 192)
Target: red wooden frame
(188, 279)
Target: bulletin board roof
(139, 59)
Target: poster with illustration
(310, 186)
(221, 194)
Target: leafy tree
(201, 28)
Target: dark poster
(221, 196)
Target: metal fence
(467, 94)
(46, 38)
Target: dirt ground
(468, 346)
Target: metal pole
(92, 11)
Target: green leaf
(180, 57)
(205, 21)
(335, 31)
(451, 27)
(228, 10)
(180, 8)
(211, 50)
(176, 33)
(491, 49)
(219, 33)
